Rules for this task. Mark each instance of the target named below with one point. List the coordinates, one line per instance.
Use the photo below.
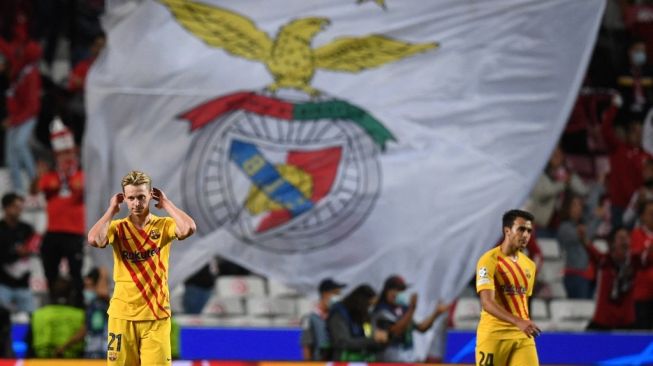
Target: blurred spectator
(549, 191)
(17, 243)
(77, 76)
(626, 163)
(64, 193)
(346, 324)
(76, 113)
(198, 288)
(394, 313)
(52, 325)
(573, 235)
(23, 105)
(6, 349)
(643, 194)
(315, 342)
(95, 327)
(615, 306)
(635, 83)
(4, 85)
(638, 20)
(641, 240)
(647, 133)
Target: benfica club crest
(288, 168)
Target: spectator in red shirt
(78, 74)
(641, 240)
(627, 160)
(641, 195)
(23, 105)
(64, 193)
(636, 82)
(615, 308)
(75, 110)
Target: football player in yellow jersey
(504, 281)
(139, 311)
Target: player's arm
(491, 306)
(399, 327)
(97, 236)
(427, 323)
(184, 224)
(73, 340)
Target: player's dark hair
(357, 303)
(9, 198)
(510, 216)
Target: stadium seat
(240, 286)
(188, 320)
(176, 299)
(224, 306)
(539, 313)
(246, 321)
(467, 313)
(551, 270)
(278, 289)
(270, 306)
(550, 248)
(285, 321)
(304, 306)
(558, 290)
(571, 314)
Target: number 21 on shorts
(114, 338)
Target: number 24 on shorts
(486, 359)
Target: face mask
(403, 298)
(334, 299)
(89, 296)
(639, 58)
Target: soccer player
(139, 311)
(504, 281)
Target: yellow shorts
(506, 352)
(139, 342)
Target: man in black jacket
(16, 242)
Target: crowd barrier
(282, 344)
(569, 348)
(197, 363)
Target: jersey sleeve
(112, 231)
(170, 228)
(485, 273)
(531, 281)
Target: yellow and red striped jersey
(512, 282)
(140, 268)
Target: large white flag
(343, 138)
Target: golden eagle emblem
(289, 57)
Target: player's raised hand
(413, 300)
(443, 307)
(159, 197)
(114, 203)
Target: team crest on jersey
(288, 168)
(112, 355)
(528, 273)
(155, 234)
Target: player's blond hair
(136, 178)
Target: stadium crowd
(597, 186)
